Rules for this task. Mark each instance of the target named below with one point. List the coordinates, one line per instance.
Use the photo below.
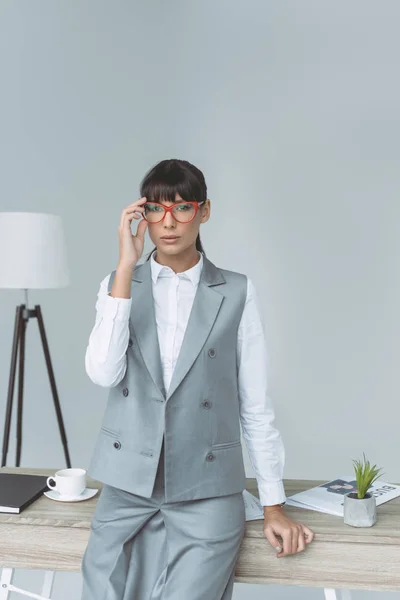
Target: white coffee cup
(68, 482)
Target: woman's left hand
(294, 535)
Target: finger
(135, 215)
(139, 201)
(301, 543)
(138, 204)
(273, 540)
(131, 208)
(295, 540)
(309, 533)
(128, 216)
(135, 209)
(141, 229)
(130, 211)
(287, 542)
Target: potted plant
(360, 506)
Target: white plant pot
(359, 512)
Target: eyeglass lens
(182, 212)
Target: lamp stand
(21, 321)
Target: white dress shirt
(105, 361)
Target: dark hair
(172, 176)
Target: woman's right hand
(131, 246)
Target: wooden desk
(52, 536)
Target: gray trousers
(148, 549)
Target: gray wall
(291, 110)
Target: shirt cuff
(271, 493)
(116, 308)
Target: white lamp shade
(33, 251)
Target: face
(186, 232)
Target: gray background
(291, 110)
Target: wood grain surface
(51, 535)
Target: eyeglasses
(183, 212)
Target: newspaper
(253, 507)
(328, 497)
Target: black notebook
(18, 490)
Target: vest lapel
(143, 322)
(206, 305)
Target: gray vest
(198, 416)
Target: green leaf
(365, 475)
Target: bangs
(169, 178)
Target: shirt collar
(193, 273)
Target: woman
(180, 344)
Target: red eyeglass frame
(169, 209)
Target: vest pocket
(110, 432)
(226, 444)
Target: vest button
(117, 445)
(210, 456)
(130, 342)
(212, 352)
(207, 404)
(125, 392)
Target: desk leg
(47, 587)
(5, 581)
(330, 594)
(6, 586)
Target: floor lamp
(32, 256)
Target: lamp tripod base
(21, 321)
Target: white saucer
(85, 495)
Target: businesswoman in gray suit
(179, 342)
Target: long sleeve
(105, 359)
(263, 440)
